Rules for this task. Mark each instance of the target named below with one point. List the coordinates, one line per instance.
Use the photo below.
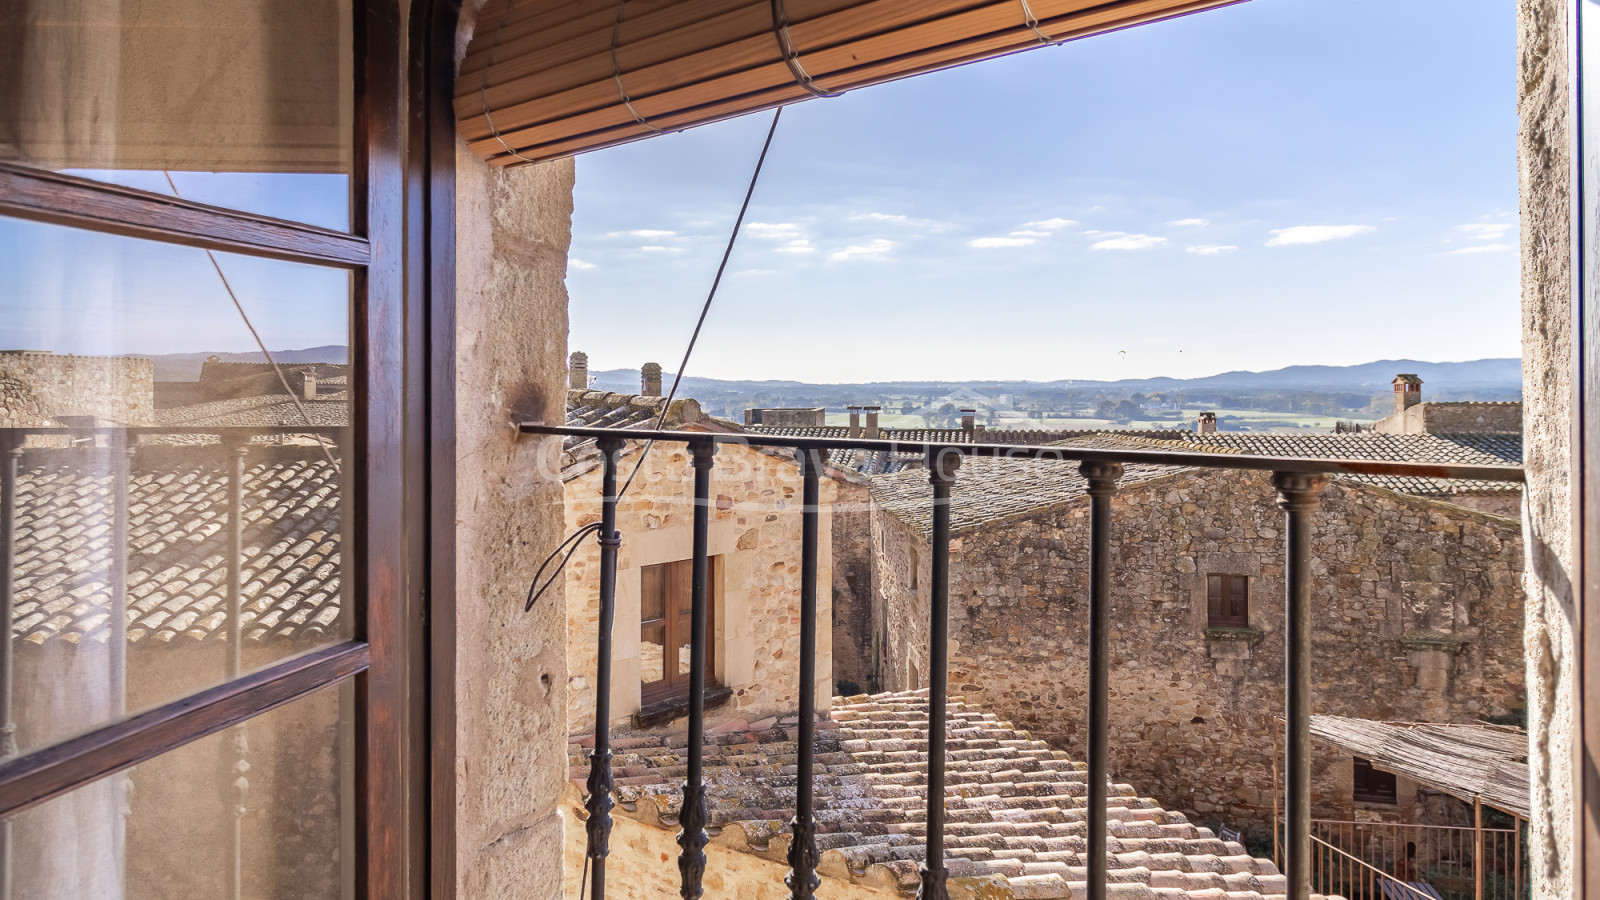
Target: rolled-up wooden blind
(544, 79)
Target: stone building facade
(39, 388)
(755, 569)
(1419, 617)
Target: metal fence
(1298, 483)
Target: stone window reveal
(1228, 601)
(1372, 785)
(665, 600)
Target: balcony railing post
(600, 803)
(1102, 477)
(1297, 497)
(692, 818)
(240, 767)
(10, 458)
(803, 881)
(942, 466)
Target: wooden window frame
(1372, 785)
(1227, 600)
(675, 630)
(382, 656)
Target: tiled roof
(1472, 449)
(260, 411)
(987, 489)
(178, 535)
(1015, 809)
(883, 462)
(603, 409)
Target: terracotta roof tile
(1015, 817)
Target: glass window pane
(129, 584)
(652, 654)
(269, 798)
(652, 594)
(247, 103)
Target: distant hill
(1496, 376)
(186, 366)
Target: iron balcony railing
(1297, 482)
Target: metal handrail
(1294, 480)
(1382, 875)
(1194, 458)
(1376, 825)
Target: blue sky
(1274, 183)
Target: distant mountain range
(186, 366)
(1481, 375)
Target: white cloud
(1212, 249)
(773, 231)
(1050, 224)
(875, 249)
(1487, 232)
(900, 221)
(798, 245)
(1029, 233)
(657, 248)
(1483, 248)
(1184, 223)
(987, 242)
(1123, 241)
(575, 263)
(880, 217)
(642, 233)
(1314, 234)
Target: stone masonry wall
(1418, 618)
(755, 537)
(1472, 418)
(36, 387)
(1544, 177)
(853, 609)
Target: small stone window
(1372, 785)
(666, 599)
(916, 569)
(1228, 601)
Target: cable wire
(535, 591)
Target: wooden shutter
(542, 80)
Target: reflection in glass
(173, 498)
(256, 811)
(247, 102)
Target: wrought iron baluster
(600, 801)
(692, 818)
(802, 880)
(1297, 497)
(942, 466)
(10, 458)
(1102, 477)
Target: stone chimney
(1407, 392)
(1207, 423)
(578, 371)
(650, 380)
(872, 432)
(308, 383)
(855, 421)
(969, 421)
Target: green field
(1253, 420)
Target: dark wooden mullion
(45, 196)
(29, 780)
(388, 776)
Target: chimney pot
(650, 379)
(578, 371)
(969, 419)
(1207, 423)
(1407, 391)
(309, 384)
(855, 421)
(872, 422)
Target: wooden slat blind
(544, 79)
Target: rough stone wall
(513, 227)
(1543, 162)
(853, 609)
(1471, 418)
(35, 387)
(755, 539)
(1419, 617)
(901, 572)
